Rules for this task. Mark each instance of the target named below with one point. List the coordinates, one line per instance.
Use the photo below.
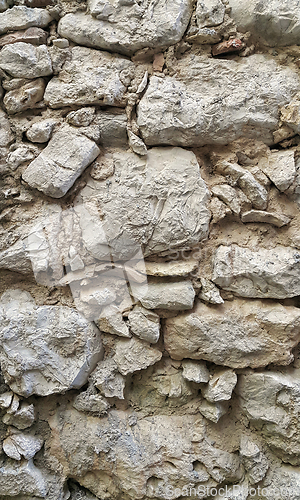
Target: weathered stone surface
(128, 26)
(220, 386)
(209, 13)
(172, 268)
(273, 218)
(111, 321)
(235, 334)
(24, 479)
(137, 144)
(19, 156)
(209, 292)
(21, 415)
(279, 166)
(184, 111)
(82, 117)
(108, 380)
(59, 348)
(41, 131)
(55, 170)
(135, 354)
(19, 445)
(90, 77)
(35, 36)
(144, 324)
(6, 135)
(266, 273)
(231, 45)
(25, 97)
(277, 22)
(23, 60)
(20, 17)
(91, 402)
(195, 371)
(5, 399)
(254, 461)
(228, 195)
(174, 296)
(290, 114)
(166, 203)
(213, 411)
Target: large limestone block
(266, 273)
(214, 101)
(21, 17)
(23, 60)
(58, 166)
(46, 349)
(271, 401)
(89, 77)
(156, 203)
(128, 26)
(235, 334)
(277, 22)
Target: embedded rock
(90, 77)
(6, 135)
(195, 371)
(135, 354)
(91, 402)
(46, 349)
(184, 111)
(19, 445)
(254, 461)
(25, 97)
(20, 416)
(213, 411)
(41, 131)
(209, 292)
(290, 114)
(209, 13)
(5, 400)
(22, 479)
(235, 334)
(111, 321)
(220, 386)
(108, 380)
(275, 22)
(144, 324)
(176, 268)
(23, 60)
(58, 166)
(126, 27)
(266, 273)
(21, 17)
(273, 218)
(279, 166)
(35, 36)
(173, 296)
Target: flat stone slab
(21, 17)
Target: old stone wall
(149, 249)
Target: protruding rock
(279, 166)
(108, 380)
(195, 371)
(144, 324)
(209, 13)
(231, 45)
(174, 296)
(21, 416)
(41, 131)
(235, 334)
(19, 156)
(6, 135)
(220, 386)
(273, 218)
(19, 445)
(25, 97)
(20, 17)
(5, 399)
(111, 321)
(57, 167)
(23, 60)
(137, 144)
(22, 479)
(213, 411)
(135, 354)
(91, 402)
(254, 461)
(82, 117)
(35, 36)
(209, 292)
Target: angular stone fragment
(209, 13)
(279, 166)
(22, 479)
(172, 268)
(276, 22)
(89, 402)
(220, 386)
(82, 117)
(6, 399)
(47, 349)
(144, 324)
(35, 36)
(137, 144)
(25, 97)
(195, 371)
(165, 205)
(58, 166)
(6, 135)
(235, 334)
(112, 127)
(126, 27)
(209, 292)
(20, 417)
(231, 45)
(41, 131)
(20, 17)
(254, 461)
(108, 380)
(19, 445)
(273, 218)
(23, 60)
(111, 321)
(173, 296)
(134, 355)
(290, 114)
(266, 273)
(184, 111)
(228, 195)
(213, 411)
(89, 77)
(19, 156)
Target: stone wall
(149, 249)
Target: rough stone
(235, 334)
(25, 97)
(183, 111)
(278, 220)
(228, 195)
(254, 461)
(6, 135)
(209, 13)
(279, 166)
(166, 204)
(107, 379)
(137, 144)
(209, 292)
(89, 402)
(24, 479)
(35, 36)
(144, 324)
(20, 155)
(134, 355)
(21, 417)
(174, 296)
(21, 17)
(126, 27)
(6, 399)
(172, 268)
(41, 131)
(90, 77)
(276, 22)
(220, 386)
(290, 114)
(111, 321)
(266, 273)
(59, 347)
(231, 45)
(213, 411)
(23, 60)
(82, 117)
(55, 170)
(19, 445)
(195, 371)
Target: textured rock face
(184, 111)
(21, 17)
(128, 26)
(23, 60)
(45, 349)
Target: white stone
(235, 334)
(89, 77)
(277, 22)
(21, 17)
(254, 461)
(220, 386)
(26, 97)
(19, 445)
(195, 371)
(279, 166)
(213, 411)
(108, 380)
(41, 131)
(144, 324)
(64, 159)
(264, 273)
(6, 135)
(82, 117)
(46, 349)
(273, 218)
(6, 399)
(172, 268)
(209, 292)
(173, 296)
(111, 321)
(134, 355)
(137, 144)
(22, 479)
(24, 60)
(228, 195)
(126, 27)
(19, 156)
(61, 43)
(21, 417)
(97, 296)
(209, 13)
(214, 101)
